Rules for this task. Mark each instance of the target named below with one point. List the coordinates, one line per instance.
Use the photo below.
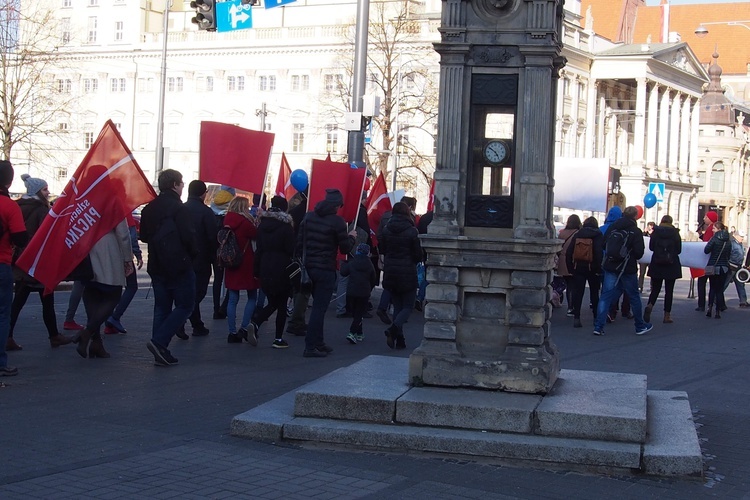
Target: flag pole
(359, 202)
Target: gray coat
(109, 254)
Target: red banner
(234, 156)
(431, 198)
(284, 183)
(377, 204)
(105, 188)
(326, 174)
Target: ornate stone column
(652, 129)
(591, 129)
(639, 132)
(663, 138)
(685, 127)
(675, 110)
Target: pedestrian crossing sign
(657, 189)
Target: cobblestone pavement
(123, 428)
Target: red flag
(377, 204)
(105, 188)
(326, 174)
(234, 156)
(431, 198)
(284, 186)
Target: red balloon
(640, 211)
(367, 183)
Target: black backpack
(229, 255)
(617, 248)
(171, 257)
(663, 251)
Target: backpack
(171, 256)
(737, 255)
(663, 251)
(617, 248)
(583, 251)
(229, 255)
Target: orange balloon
(640, 211)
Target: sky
(683, 2)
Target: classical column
(591, 118)
(685, 127)
(661, 160)
(639, 132)
(600, 132)
(560, 149)
(675, 109)
(653, 120)
(574, 103)
(694, 123)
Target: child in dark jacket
(362, 279)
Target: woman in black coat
(585, 272)
(399, 244)
(274, 250)
(665, 266)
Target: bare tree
(35, 89)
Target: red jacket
(241, 278)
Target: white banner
(691, 256)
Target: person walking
(112, 262)
(14, 235)
(204, 224)
(623, 244)
(321, 236)
(34, 206)
(719, 249)
(274, 252)
(168, 230)
(113, 325)
(241, 278)
(705, 232)
(219, 206)
(584, 259)
(735, 264)
(361, 280)
(666, 245)
(300, 298)
(572, 226)
(399, 244)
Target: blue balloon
(299, 179)
(649, 200)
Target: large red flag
(431, 197)
(105, 188)
(377, 204)
(234, 156)
(284, 183)
(326, 174)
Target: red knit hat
(713, 216)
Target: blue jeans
(131, 287)
(741, 293)
(324, 283)
(179, 292)
(611, 290)
(6, 298)
(403, 305)
(234, 299)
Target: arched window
(717, 177)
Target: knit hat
(33, 185)
(280, 203)
(6, 172)
(223, 197)
(229, 189)
(363, 249)
(713, 216)
(197, 188)
(335, 197)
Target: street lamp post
(356, 144)
(702, 31)
(159, 165)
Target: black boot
(708, 311)
(83, 338)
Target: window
(235, 83)
(332, 138)
(298, 137)
(702, 181)
(117, 84)
(65, 30)
(119, 31)
(61, 173)
(300, 83)
(91, 38)
(333, 82)
(93, 3)
(719, 133)
(717, 177)
(205, 84)
(64, 86)
(90, 85)
(62, 127)
(267, 83)
(566, 87)
(88, 139)
(403, 142)
(145, 85)
(67, 3)
(174, 84)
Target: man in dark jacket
(584, 271)
(172, 276)
(301, 298)
(622, 276)
(204, 224)
(321, 236)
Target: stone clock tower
(491, 247)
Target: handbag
(298, 275)
(711, 269)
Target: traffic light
(205, 14)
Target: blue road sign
(657, 189)
(232, 15)
(270, 4)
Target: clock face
(496, 152)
